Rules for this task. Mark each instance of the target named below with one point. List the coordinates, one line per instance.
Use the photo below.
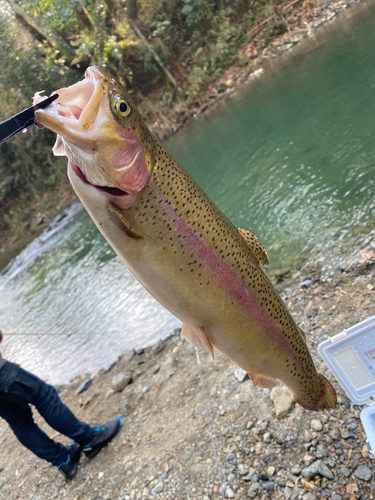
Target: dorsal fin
(304, 336)
(254, 245)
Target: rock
(363, 472)
(336, 496)
(100, 475)
(267, 437)
(335, 434)
(84, 386)
(242, 469)
(282, 399)
(345, 471)
(229, 82)
(352, 426)
(345, 434)
(127, 409)
(159, 487)
(306, 436)
(271, 470)
(127, 355)
(305, 283)
(321, 451)
(120, 381)
(365, 451)
(316, 425)
(241, 375)
(229, 493)
(309, 496)
(296, 470)
(317, 468)
(213, 391)
(156, 369)
(269, 486)
(159, 346)
(109, 394)
(1, 468)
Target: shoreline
(165, 448)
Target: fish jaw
(109, 153)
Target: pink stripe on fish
(229, 279)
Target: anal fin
(262, 381)
(197, 337)
(254, 245)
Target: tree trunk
(33, 31)
(140, 35)
(132, 9)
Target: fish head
(111, 152)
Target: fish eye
(122, 107)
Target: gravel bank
(165, 451)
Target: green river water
(291, 156)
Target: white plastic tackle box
(351, 357)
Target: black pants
(15, 409)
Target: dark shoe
(103, 435)
(69, 468)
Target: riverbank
(164, 450)
(302, 18)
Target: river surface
(292, 157)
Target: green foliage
(47, 44)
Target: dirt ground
(165, 448)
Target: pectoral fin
(197, 337)
(253, 244)
(128, 229)
(262, 381)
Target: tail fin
(325, 399)
(328, 398)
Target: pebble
(317, 468)
(306, 436)
(229, 493)
(321, 451)
(316, 425)
(159, 487)
(127, 409)
(282, 399)
(296, 470)
(345, 471)
(84, 386)
(363, 472)
(241, 375)
(109, 394)
(120, 381)
(335, 434)
(269, 486)
(267, 437)
(309, 496)
(242, 469)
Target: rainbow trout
(176, 242)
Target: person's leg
(48, 403)
(20, 419)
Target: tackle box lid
(351, 357)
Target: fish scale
(180, 246)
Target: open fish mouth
(77, 108)
(112, 191)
